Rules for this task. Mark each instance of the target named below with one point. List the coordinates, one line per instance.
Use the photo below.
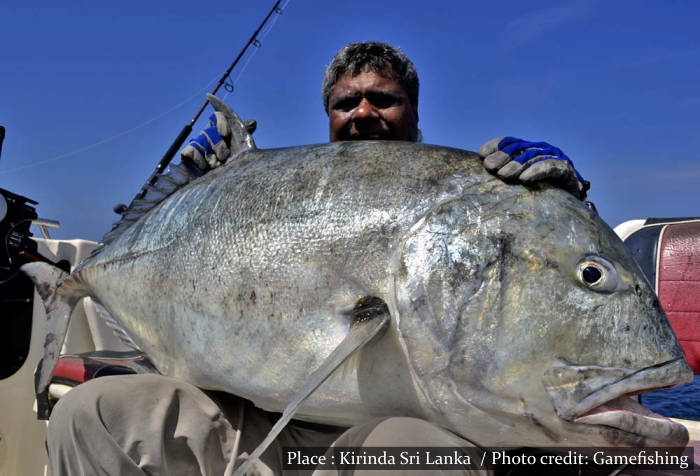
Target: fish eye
(591, 275)
(598, 274)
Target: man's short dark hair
(374, 56)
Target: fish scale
(311, 237)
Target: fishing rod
(2, 138)
(180, 139)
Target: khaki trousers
(136, 425)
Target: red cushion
(70, 369)
(75, 369)
(678, 281)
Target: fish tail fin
(59, 292)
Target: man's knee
(407, 431)
(137, 423)
(75, 409)
(94, 403)
(399, 431)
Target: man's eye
(383, 101)
(346, 104)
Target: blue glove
(210, 148)
(527, 162)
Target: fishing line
(229, 84)
(117, 135)
(182, 136)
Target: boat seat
(75, 369)
(668, 251)
(678, 284)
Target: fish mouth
(604, 396)
(624, 413)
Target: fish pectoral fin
(362, 330)
(241, 139)
(59, 293)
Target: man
(149, 424)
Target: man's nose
(364, 110)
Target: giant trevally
(516, 315)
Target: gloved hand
(527, 162)
(211, 148)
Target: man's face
(370, 106)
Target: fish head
(525, 322)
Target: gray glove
(526, 162)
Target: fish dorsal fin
(366, 325)
(241, 140)
(178, 175)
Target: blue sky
(614, 84)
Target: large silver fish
(516, 315)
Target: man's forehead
(385, 72)
(366, 79)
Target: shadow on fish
(515, 317)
